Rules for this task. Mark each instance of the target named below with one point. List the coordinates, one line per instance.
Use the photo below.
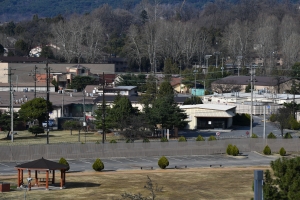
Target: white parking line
(131, 160)
(4, 165)
(145, 160)
(85, 161)
(115, 160)
(176, 159)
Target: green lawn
(25, 137)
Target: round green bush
(163, 139)
(129, 141)
(211, 138)
(146, 140)
(64, 162)
(267, 150)
(113, 141)
(254, 135)
(288, 136)
(271, 136)
(163, 162)
(98, 165)
(229, 149)
(182, 139)
(282, 151)
(200, 138)
(235, 151)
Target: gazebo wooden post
(36, 177)
(53, 177)
(47, 180)
(19, 181)
(29, 176)
(22, 176)
(64, 181)
(61, 179)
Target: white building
(209, 116)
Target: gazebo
(45, 166)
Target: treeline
(169, 38)
(20, 10)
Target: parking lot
(116, 164)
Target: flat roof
(208, 106)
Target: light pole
(207, 57)
(33, 74)
(222, 67)
(180, 77)
(217, 53)
(239, 58)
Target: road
(117, 164)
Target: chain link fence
(139, 149)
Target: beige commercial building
(209, 116)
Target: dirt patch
(200, 183)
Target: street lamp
(239, 58)
(207, 57)
(217, 53)
(180, 77)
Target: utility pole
(84, 116)
(180, 77)
(251, 109)
(34, 78)
(103, 110)
(222, 67)
(12, 116)
(47, 80)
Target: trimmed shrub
(182, 139)
(211, 138)
(163, 139)
(200, 138)
(282, 151)
(229, 149)
(163, 162)
(235, 151)
(36, 130)
(64, 162)
(272, 118)
(98, 165)
(254, 135)
(146, 140)
(287, 136)
(271, 136)
(97, 142)
(129, 141)
(267, 150)
(113, 141)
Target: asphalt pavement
(148, 163)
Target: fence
(93, 150)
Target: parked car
(50, 123)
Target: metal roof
(208, 107)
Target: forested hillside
(18, 10)
(169, 38)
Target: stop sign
(217, 133)
(247, 132)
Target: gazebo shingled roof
(42, 164)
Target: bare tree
(282, 119)
(225, 86)
(265, 39)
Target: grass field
(25, 137)
(202, 183)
